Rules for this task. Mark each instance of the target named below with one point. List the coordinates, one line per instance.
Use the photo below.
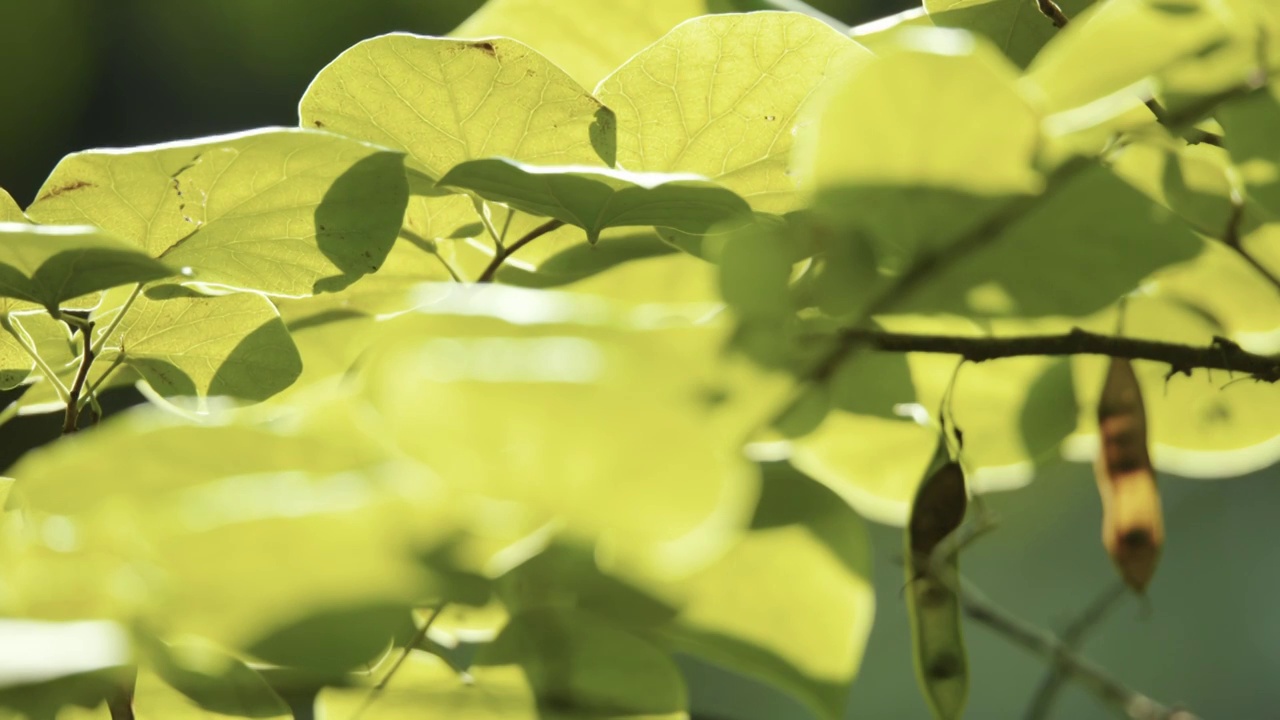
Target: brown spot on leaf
(317, 123)
(78, 184)
(485, 47)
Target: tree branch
(1221, 354)
(501, 254)
(1095, 679)
(1042, 701)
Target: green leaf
(468, 99)
(588, 39)
(722, 95)
(212, 679)
(477, 370)
(546, 665)
(1017, 27)
(283, 212)
(595, 199)
(882, 32)
(770, 607)
(189, 345)
(310, 512)
(1138, 38)
(50, 265)
(9, 210)
(1248, 122)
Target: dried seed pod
(1132, 523)
(942, 666)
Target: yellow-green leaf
(588, 39)
(768, 608)
(722, 95)
(444, 101)
(279, 211)
(595, 199)
(49, 265)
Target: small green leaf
(722, 95)
(595, 199)
(279, 211)
(50, 265)
(769, 607)
(189, 345)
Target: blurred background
(78, 74)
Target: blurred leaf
(1138, 38)
(588, 39)
(49, 265)
(311, 514)
(45, 666)
(334, 642)
(792, 603)
(284, 212)
(595, 199)
(1249, 123)
(881, 33)
(1017, 27)
(469, 100)
(189, 345)
(546, 665)
(722, 95)
(212, 679)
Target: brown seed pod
(1132, 522)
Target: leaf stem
(115, 321)
(417, 639)
(1231, 238)
(7, 324)
(501, 255)
(71, 421)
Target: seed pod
(942, 667)
(1132, 524)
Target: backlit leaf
(595, 199)
(722, 95)
(285, 212)
(49, 265)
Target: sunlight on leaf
(722, 95)
(595, 199)
(285, 212)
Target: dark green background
(77, 74)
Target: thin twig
(1099, 682)
(502, 253)
(7, 325)
(71, 421)
(1231, 238)
(1047, 692)
(1051, 10)
(418, 637)
(1182, 359)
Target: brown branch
(1050, 9)
(71, 421)
(1047, 692)
(1221, 354)
(501, 255)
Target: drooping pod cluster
(1132, 522)
(933, 607)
